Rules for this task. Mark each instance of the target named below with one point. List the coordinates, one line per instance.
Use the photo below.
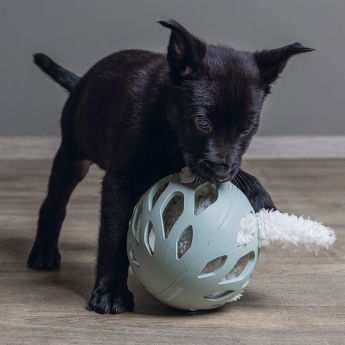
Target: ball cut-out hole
(205, 196)
(239, 267)
(172, 213)
(150, 238)
(184, 242)
(216, 296)
(213, 266)
(158, 193)
(137, 222)
(132, 257)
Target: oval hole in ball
(158, 193)
(240, 266)
(217, 296)
(213, 266)
(205, 196)
(137, 222)
(172, 213)
(184, 242)
(150, 238)
(132, 257)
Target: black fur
(141, 116)
(66, 79)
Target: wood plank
(262, 147)
(294, 297)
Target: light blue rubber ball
(182, 243)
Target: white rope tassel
(285, 229)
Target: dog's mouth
(202, 175)
(202, 172)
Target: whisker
(248, 184)
(243, 182)
(239, 183)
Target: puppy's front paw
(109, 301)
(42, 258)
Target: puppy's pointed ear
(185, 51)
(272, 62)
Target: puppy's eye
(245, 132)
(203, 124)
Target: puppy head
(216, 97)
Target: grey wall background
(309, 99)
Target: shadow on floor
(77, 277)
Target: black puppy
(141, 116)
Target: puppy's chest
(161, 160)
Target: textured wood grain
(262, 147)
(294, 297)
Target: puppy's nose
(222, 176)
(221, 171)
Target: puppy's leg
(254, 191)
(68, 169)
(111, 294)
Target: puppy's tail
(65, 78)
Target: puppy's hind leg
(69, 168)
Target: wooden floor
(294, 297)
